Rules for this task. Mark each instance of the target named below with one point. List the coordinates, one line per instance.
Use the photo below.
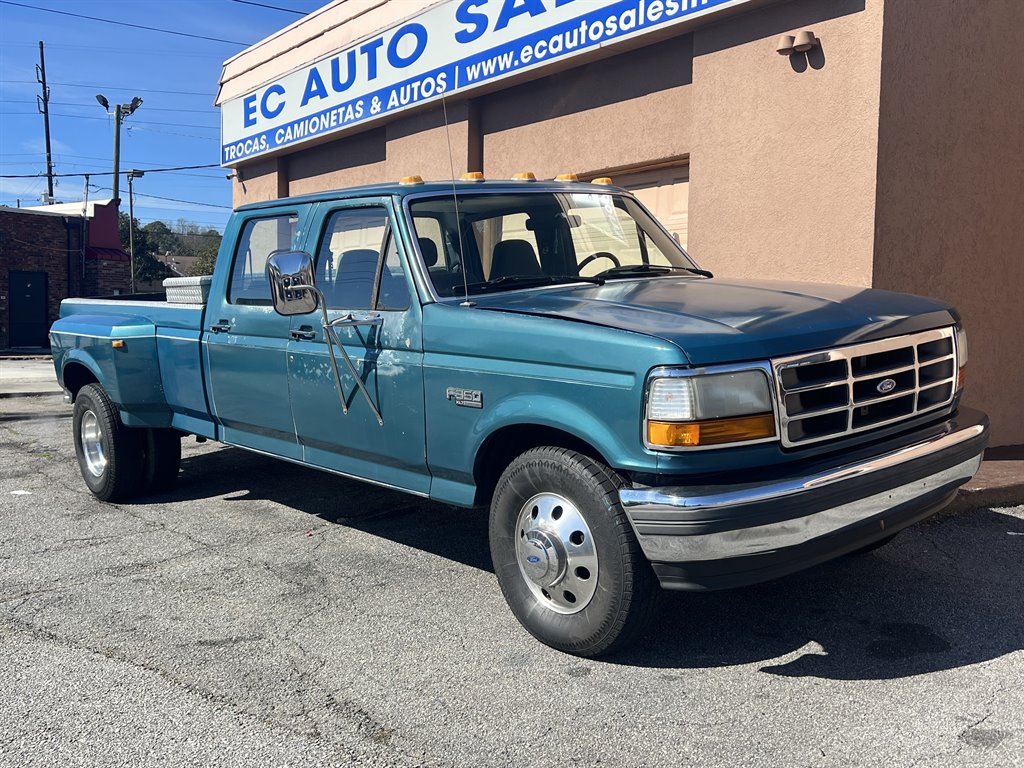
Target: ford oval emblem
(533, 559)
(886, 385)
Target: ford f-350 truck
(548, 350)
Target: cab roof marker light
(567, 177)
(409, 180)
(472, 176)
(524, 176)
(604, 181)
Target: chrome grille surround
(851, 389)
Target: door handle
(220, 327)
(305, 333)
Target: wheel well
(77, 376)
(500, 448)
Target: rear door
(361, 270)
(247, 341)
(28, 309)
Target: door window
(260, 238)
(349, 262)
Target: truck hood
(722, 320)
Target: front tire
(109, 454)
(565, 555)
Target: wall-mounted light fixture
(802, 42)
(785, 46)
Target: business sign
(451, 47)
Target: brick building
(48, 254)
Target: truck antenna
(458, 220)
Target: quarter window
(260, 238)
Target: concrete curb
(971, 499)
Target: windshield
(528, 239)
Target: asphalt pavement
(267, 614)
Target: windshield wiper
(523, 281)
(631, 270)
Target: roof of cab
(434, 187)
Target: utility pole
(43, 105)
(132, 175)
(121, 111)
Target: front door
(361, 272)
(28, 309)
(246, 342)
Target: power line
(178, 200)
(271, 7)
(93, 106)
(91, 48)
(111, 173)
(122, 23)
(134, 122)
(114, 87)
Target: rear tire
(162, 459)
(565, 555)
(109, 454)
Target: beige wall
(949, 218)
(630, 108)
(782, 167)
(257, 181)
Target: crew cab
(545, 349)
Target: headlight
(690, 411)
(961, 354)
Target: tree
(147, 266)
(206, 257)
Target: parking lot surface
(267, 614)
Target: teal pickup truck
(544, 348)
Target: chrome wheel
(92, 444)
(556, 553)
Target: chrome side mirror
(292, 287)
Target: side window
(349, 261)
(259, 239)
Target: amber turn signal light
(693, 434)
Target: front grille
(842, 391)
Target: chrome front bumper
(728, 535)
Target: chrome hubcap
(92, 444)
(556, 553)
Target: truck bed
(147, 353)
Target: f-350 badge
(467, 398)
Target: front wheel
(109, 454)
(565, 555)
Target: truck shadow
(944, 594)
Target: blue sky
(175, 76)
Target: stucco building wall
(782, 167)
(949, 213)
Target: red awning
(95, 253)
